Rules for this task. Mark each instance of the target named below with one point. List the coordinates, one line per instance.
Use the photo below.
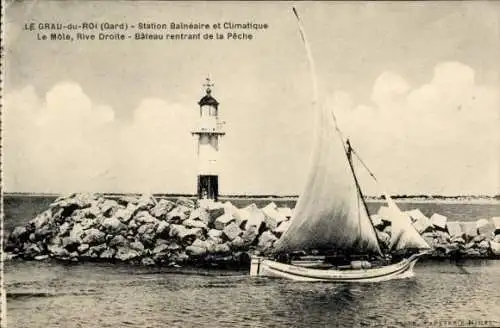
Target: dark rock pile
(144, 230)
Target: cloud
(65, 143)
(158, 150)
(389, 90)
(441, 137)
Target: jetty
(150, 231)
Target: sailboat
(331, 214)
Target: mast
(402, 220)
(349, 151)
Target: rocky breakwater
(472, 239)
(148, 231)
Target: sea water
(47, 294)
(53, 294)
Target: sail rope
(388, 198)
(364, 165)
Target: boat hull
(269, 268)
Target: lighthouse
(208, 132)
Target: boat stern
(255, 266)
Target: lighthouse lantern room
(208, 131)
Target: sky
(415, 87)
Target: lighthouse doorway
(208, 187)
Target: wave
(35, 294)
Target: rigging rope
(364, 165)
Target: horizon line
(427, 196)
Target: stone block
(147, 261)
(416, 215)
(495, 247)
(146, 202)
(469, 229)
(285, 211)
(118, 240)
(458, 240)
(496, 223)
(383, 237)
(89, 223)
(173, 246)
(237, 243)
(108, 253)
(146, 228)
(215, 210)
(283, 227)
(246, 211)
(254, 218)
(250, 235)
(222, 248)
(109, 207)
(162, 228)
(485, 227)
(232, 231)
(160, 249)
(178, 214)
(58, 251)
(83, 248)
(181, 232)
(266, 240)
(183, 201)
(137, 245)
(479, 238)
(271, 216)
(76, 232)
(376, 220)
(422, 224)
(439, 221)
(195, 251)
(177, 230)
(126, 254)
(385, 214)
(132, 225)
(145, 217)
(113, 225)
(21, 233)
(201, 243)
(214, 233)
(162, 208)
(232, 210)
(200, 214)
(222, 221)
(454, 229)
(192, 223)
(42, 219)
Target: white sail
(403, 234)
(330, 213)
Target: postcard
(250, 164)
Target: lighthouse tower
(208, 131)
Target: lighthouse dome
(208, 100)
